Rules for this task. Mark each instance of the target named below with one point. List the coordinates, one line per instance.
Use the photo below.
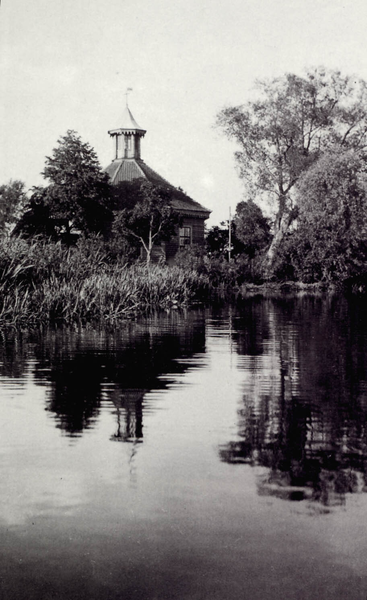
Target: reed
(43, 283)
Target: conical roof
(129, 125)
(128, 121)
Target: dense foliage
(43, 282)
(77, 198)
(330, 241)
(251, 228)
(12, 202)
(291, 124)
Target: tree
(250, 232)
(217, 240)
(330, 242)
(251, 228)
(294, 121)
(37, 220)
(144, 214)
(12, 202)
(78, 195)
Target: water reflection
(303, 366)
(303, 411)
(129, 412)
(277, 385)
(84, 369)
(14, 355)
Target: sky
(66, 64)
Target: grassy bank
(44, 283)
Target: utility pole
(229, 235)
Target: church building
(128, 165)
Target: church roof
(127, 169)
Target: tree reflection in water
(304, 408)
(86, 369)
(302, 416)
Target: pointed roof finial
(128, 90)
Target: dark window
(185, 236)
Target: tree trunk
(150, 244)
(149, 256)
(281, 227)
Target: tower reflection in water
(89, 370)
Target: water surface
(215, 454)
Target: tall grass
(43, 283)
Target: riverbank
(292, 288)
(45, 283)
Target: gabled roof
(128, 169)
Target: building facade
(128, 165)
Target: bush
(191, 258)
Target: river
(211, 454)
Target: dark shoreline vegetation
(46, 283)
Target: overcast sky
(66, 64)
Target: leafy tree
(12, 201)
(144, 214)
(251, 228)
(282, 133)
(217, 239)
(36, 220)
(79, 190)
(330, 242)
(250, 232)
(78, 195)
